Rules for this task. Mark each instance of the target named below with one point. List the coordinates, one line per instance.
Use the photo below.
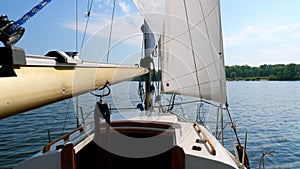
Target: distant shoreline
(247, 80)
(277, 72)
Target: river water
(268, 111)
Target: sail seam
(218, 59)
(191, 42)
(191, 28)
(195, 85)
(187, 74)
(201, 63)
(210, 45)
(208, 35)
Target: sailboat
(187, 37)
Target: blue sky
(255, 31)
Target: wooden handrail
(65, 137)
(212, 150)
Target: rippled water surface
(268, 111)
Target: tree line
(248, 73)
(264, 72)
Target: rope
(16, 25)
(233, 126)
(141, 91)
(102, 88)
(262, 159)
(110, 31)
(172, 102)
(156, 81)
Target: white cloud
(102, 3)
(282, 53)
(279, 32)
(97, 21)
(123, 28)
(126, 34)
(297, 34)
(125, 7)
(264, 44)
(238, 38)
(285, 28)
(257, 33)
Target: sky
(255, 32)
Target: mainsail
(191, 47)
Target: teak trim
(199, 129)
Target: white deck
(186, 135)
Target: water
(268, 111)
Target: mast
(149, 43)
(148, 90)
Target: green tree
(270, 72)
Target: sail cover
(191, 48)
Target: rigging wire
(209, 39)
(64, 126)
(76, 23)
(110, 31)
(88, 14)
(174, 104)
(239, 146)
(192, 47)
(198, 116)
(233, 126)
(89, 9)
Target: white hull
(90, 147)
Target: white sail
(192, 49)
